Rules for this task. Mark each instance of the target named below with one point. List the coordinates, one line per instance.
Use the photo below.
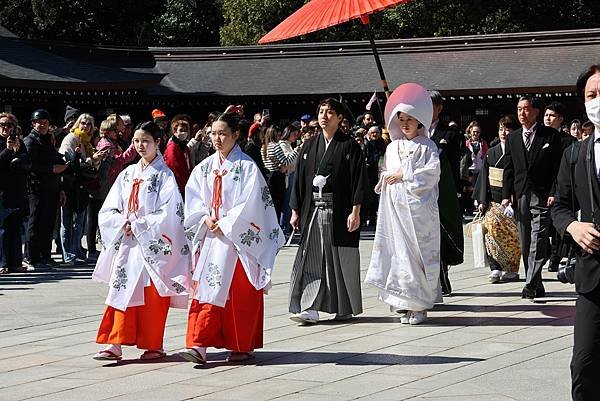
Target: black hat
(71, 113)
(40, 114)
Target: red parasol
(321, 14)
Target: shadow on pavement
(168, 359)
(507, 294)
(273, 358)
(58, 274)
(550, 310)
(500, 321)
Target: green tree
(418, 18)
(86, 21)
(243, 22)
(246, 21)
(189, 23)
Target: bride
(405, 263)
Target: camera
(12, 137)
(566, 272)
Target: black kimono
(326, 272)
(483, 192)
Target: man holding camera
(14, 166)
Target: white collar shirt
(432, 128)
(531, 133)
(597, 152)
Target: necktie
(527, 139)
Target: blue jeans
(72, 225)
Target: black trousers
(555, 242)
(276, 183)
(533, 217)
(585, 364)
(91, 226)
(11, 240)
(445, 280)
(42, 218)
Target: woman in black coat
(486, 192)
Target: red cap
(156, 113)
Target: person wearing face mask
(578, 189)
(177, 153)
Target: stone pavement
(483, 344)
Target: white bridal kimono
(246, 217)
(405, 263)
(156, 251)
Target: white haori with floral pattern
(157, 251)
(405, 261)
(247, 219)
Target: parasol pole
(365, 21)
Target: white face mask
(592, 108)
(181, 135)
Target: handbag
(87, 175)
(478, 239)
(478, 218)
(502, 238)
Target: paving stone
(484, 343)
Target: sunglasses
(6, 125)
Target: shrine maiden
(234, 237)
(145, 257)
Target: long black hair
(231, 119)
(151, 128)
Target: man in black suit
(448, 141)
(578, 188)
(535, 151)
(45, 191)
(554, 116)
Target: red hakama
(143, 325)
(238, 326)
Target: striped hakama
(325, 277)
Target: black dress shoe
(553, 267)
(528, 293)
(531, 293)
(540, 292)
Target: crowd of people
(187, 211)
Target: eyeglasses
(85, 123)
(6, 125)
